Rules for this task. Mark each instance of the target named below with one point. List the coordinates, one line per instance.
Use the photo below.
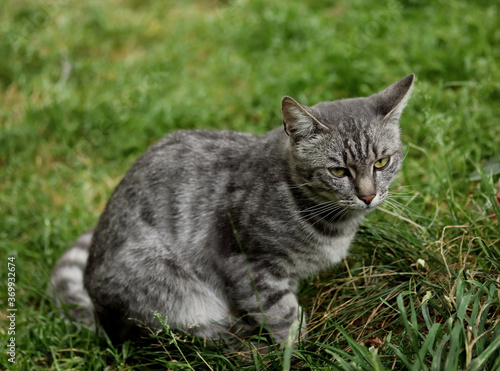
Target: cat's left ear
(299, 123)
(391, 101)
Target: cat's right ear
(298, 122)
(391, 101)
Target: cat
(215, 229)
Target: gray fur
(67, 282)
(208, 224)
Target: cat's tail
(66, 288)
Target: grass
(86, 87)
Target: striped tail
(67, 290)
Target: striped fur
(208, 226)
(67, 282)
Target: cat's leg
(205, 313)
(270, 301)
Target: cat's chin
(361, 210)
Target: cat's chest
(312, 250)
(324, 253)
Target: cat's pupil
(380, 164)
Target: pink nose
(367, 199)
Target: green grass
(86, 87)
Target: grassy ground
(85, 87)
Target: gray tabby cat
(209, 225)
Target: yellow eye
(380, 164)
(339, 171)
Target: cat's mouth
(360, 203)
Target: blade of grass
(479, 362)
(456, 343)
(292, 335)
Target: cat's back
(202, 162)
(186, 161)
(178, 180)
(192, 143)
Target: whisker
(318, 207)
(392, 201)
(403, 218)
(397, 206)
(399, 192)
(399, 186)
(329, 210)
(298, 185)
(336, 211)
(401, 195)
(343, 213)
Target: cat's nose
(367, 199)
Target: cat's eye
(339, 171)
(380, 164)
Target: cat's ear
(298, 122)
(391, 101)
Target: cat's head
(348, 151)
